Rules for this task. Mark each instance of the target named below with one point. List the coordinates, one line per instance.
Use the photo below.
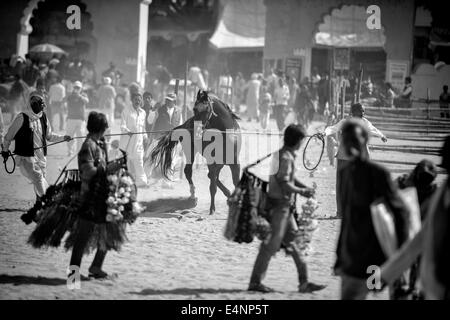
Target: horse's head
(203, 109)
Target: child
(283, 187)
(115, 153)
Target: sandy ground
(174, 252)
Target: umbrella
(47, 48)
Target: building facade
(291, 27)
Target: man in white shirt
(56, 95)
(133, 121)
(31, 130)
(281, 97)
(357, 111)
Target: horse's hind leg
(188, 174)
(213, 176)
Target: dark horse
(214, 117)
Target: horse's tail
(162, 155)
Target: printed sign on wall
(293, 68)
(397, 70)
(341, 58)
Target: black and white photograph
(225, 150)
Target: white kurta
(337, 128)
(33, 168)
(133, 120)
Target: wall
(116, 25)
(291, 24)
(10, 14)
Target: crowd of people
(360, 184)
(36, 98)
(279, 96)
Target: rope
(5, 160)
(257, 162)
(133, 133)
(321, 138)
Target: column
(142, 44)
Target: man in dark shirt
(444, 102)
(362, 183)
(435, 264)
(168, 115)
(283, 187)
(31, 72)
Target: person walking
(56, 94)
(106, 99)
(281, 97)
(92, 163)
(444, 102)
(404, 99)
(238, 91)
(150, 110)
(435, 261)
(265, 106)
(17, 96)
(362, 183)
(132, 122)
(252, 98)
(2, 129)
(31, 130)
(356, 111)
(390, 95)
(31, 72)
(76, 115)
(283, 187)
(304, 105)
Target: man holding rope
(356, 111)
(31, 130)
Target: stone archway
(45, 21)
(345, 27)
